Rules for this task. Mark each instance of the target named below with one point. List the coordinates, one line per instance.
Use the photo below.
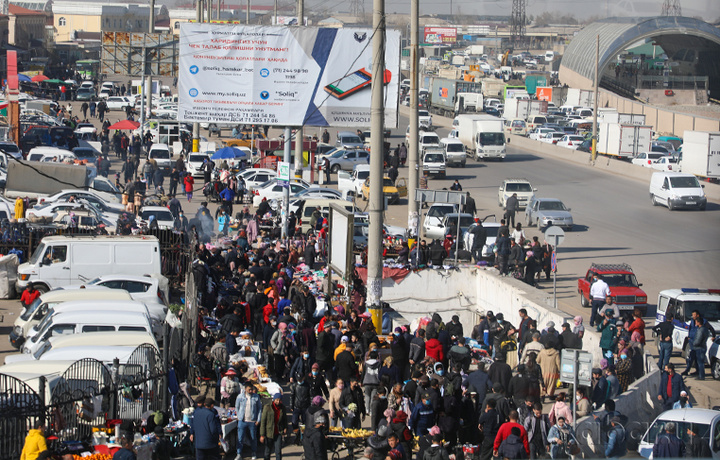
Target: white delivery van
(155, 312)
(107, 339)
(707, 422)
(677, 190)
(454, 151)
(36, 311)
(66, 260)
(79, 322)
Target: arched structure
(693, 48)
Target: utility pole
(413, 155)
(208, 6)
(299, 141)
(196, 125)
(595, 108)
(286, 192)
(148, 86)
(218, 10)
(275, 13)
(375, 207)
(247, 12)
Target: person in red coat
(505, 431)
(434, 349)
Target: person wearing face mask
(301, 366)
(378, 405)
(316, 382)
(300, 402)
(584, 406)
(683, 402)
(623, 369)
(562, 439)
(423, 416)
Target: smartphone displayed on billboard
(349, 84)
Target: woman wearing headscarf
(278, 342)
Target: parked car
(119, 103)
(440, 229)
(666, 163)
(623, 285)
(254, 177)
(570, 141)
(547, 212)
(10, 148)
(347, 159)
(552, 138)
(194, 162)
(319, 192)
(537, 133)
(435, 215)
(274, 190)
(151, 288)
(646, 159)
(160, 214)
(85, 94)
(392, 191)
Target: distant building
(26, 28)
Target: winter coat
(435, 452)
(314, 444)
(371, 374)
(267, 421)
(512, 447)
(434, 349)
(34, 444)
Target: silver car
(347, 159)
(548, 212)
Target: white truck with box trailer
(524, 108)
(483, 136)
(623, 141)
(701, 154)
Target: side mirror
(569, 209)
(702, 185)
(535, 190)
(500, 188)
(640, 284)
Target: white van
(36, 311)
(107, 339)
(155, 312)
(67, 260)
(79, 322)
(677, 190)
(680, 303)
(454, 151)
(104, 354)
(707, 422)
(46, 153)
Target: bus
(88, 68)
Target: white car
(49, 211)
(646, 159)
(274, 190)
(105, 93)
(666, 163)
(161, 214)
(96, 200)
(10, 148)
(256, 176)
(194, 162)
(537, 133)
(435, 215)
(491, 229)
(118, 102)
(153, 288)
(424, 119)
(570, 141)
(552, 138)
(350, 184)
(318, 192)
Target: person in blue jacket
(205, 431)
(423, 416)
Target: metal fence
(21, 408)
(141, 383)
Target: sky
(581, 9)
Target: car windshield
(197, 158)
(159, 215)
(423, 113)
(37, 254)
(434, 158)
(576, 138)
(351, 140)
(30, 310)
(465, 221)
(552, 206)
(388, 182)
(684, 182)
(681, 428)
(162, 154)
(708, 309)
(518, 187)
(620, 280)
(430, 140)
(84, 153)
(518, 124)
(363, 174)
(440, 211)
(338, 154)
(492, 139)
(454, 148)
(84, 90)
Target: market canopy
(228, 153)
(37, 78)
(22, 77)
(125, 124)
(54, 81)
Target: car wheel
(41, 288)
(584, 301)
(715, 368)
(653, 200)
(335, 169)
(671, 207)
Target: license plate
(690, 202)
(626, 307)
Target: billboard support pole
(377, 116)
(299, 138)
(595, 109)
(196, 125)
(412, 146)
(286, 192)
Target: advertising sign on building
(440, 35)
(283, 76)
(544, 93)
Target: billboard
(283, 76)
(122, 53)
(544, 93)
(440, 35)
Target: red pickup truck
(624, 287)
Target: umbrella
(38, 78)
(227, 153)
(125, 124)
(22, 77)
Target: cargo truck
(623, 118)
(482, 135)
(444, 95)
(475, 50)
(33, 180)
(579, 97)
(623, 141)
(701, 154)
(524, 108)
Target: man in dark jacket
(436, 451)
(600, 388)
(500, 371)
(437, 253)
(488, 423)
(205, 431)
(314, 439)
(671, 384)
(668, 445)
(511, 207)
(325, 350)
(301, 402)
(417, 348)
(479, 239)
(455, 328)
(399, 349)
(502, 405)
(512, 447)
(699, 447)
(345, 365)
(352, 395)
(537, 426)
(502, 244)
(699, 345)
(480, 381)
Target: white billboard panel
(282, 76)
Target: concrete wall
(602, 163)
(662, 120)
